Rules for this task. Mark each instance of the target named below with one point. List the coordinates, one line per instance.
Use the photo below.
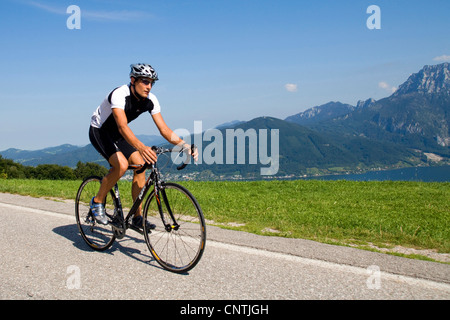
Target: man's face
(142, 86)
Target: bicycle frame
(120, 224)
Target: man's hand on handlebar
(192, 150)
(148, 154)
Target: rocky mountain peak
(429, 80)
(365, 103)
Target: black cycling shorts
(107, 146)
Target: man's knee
(119, 163)
(136, 158)
(123, 167)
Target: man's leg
(119, 165)
(138, 179)
(138, 184)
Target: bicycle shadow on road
(127, 245)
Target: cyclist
(111, 136)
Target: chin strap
(137, 95)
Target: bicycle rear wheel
(97, 236)
(176, 245)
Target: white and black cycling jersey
(122, 98)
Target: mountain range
(67, 154)
(415, 116)
(408, 128)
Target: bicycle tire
(99, 237)
(175, 249)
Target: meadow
(385, 214)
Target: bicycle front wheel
(178, 241)
(97, 236)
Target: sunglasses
(147, 82)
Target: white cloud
(383, 85)
(387, 87)
(444, 57)
(124, 15)
(291, 87)
(47, 8)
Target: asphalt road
(42, 256)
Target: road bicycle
(178, 241)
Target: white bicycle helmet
(143, 70)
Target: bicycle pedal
(89, 217)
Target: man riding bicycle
(111, 136)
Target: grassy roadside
(386, 214)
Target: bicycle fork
(160, 191)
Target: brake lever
(185, 163)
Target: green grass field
(410, 214)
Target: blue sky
(218, 60)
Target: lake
(425, 174)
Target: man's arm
(165, 131)
(169, 135)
